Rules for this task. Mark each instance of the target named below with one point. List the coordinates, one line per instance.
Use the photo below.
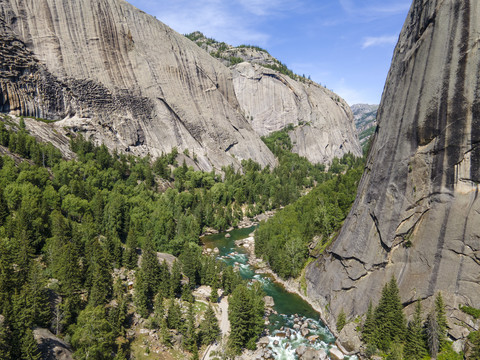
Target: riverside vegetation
(68, 227)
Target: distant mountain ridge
(365, 117)
(272, 98)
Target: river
(290, 308)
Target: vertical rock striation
(123, 78)
(324, 126)
(417, 213)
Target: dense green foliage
(385, 329)
(245, 312)
(341, 320)
(283, 240)
(470, 311)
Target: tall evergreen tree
(441, 318)
(93, 337)
(415, 340)
(209, 328)
(130, 256)
(102, 284)
(151, 268)
(190, 338)
(5, 339)
(433, 333)
(390, 322)
(175, 282)
(174, 315)
(141, 298)
(29, 346)
(368, 330)
(245, 313)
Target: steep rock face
(123, 78)
(417, 213)
(271, 101)
(365, 117)
(272, 97)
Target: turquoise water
(289, 307)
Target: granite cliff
(365, 117)
(417, 212)
(272, 97)
(116, 74)
(120, 77)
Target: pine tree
(245, 312)
(341, 321)
(164, 279)
(474, 338)
(396, 351)
(102, 283)
(158, 311)
(389, 318)
(190, 338)
(5, 339)
(164, 332)
(141, 299)
(368, 330)
(441, 318)
(151, 268)
(187, 294)
(37, 303)
(93, 337)
(130, 256)
(29, 346)
(174, 315)
(175, 283)
(433, 334)
(415, 342)
(209, 327)
(214, 292)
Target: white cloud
(373, 9)
(379, 40)
(215, 18)
(355, 96)
(265, 8)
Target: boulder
(458, 346)
(336, 354)
(52, 347)
(300, 350)
(313, 354)
(304, 332)
(349, 338)
(313, 338)
(263, 341)
(269, 302)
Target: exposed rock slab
(417, 213)
(271, 101)
(51, 347)
(116, 74)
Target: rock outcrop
(417, 213)
(323, 126)
(365, 117)
(116, 74)
(51, 347)
(272, 97)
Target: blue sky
(346, 45)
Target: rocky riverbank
(294, 286)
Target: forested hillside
(72, 234)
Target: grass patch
(470, 311)
(46, 121)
